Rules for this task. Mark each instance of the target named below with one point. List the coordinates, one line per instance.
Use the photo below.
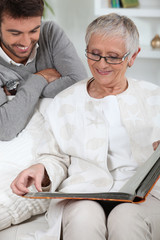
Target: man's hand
(155, 144)
(32, 175)
(6, 91)
(49, 74)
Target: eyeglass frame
(105, 58)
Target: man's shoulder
(51, 33)
(47, 23)
(49, 26)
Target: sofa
(20, 215)
(17, 232)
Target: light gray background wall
(75, 15)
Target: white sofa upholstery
(16, 232)
(16, 155)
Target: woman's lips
(103, 72)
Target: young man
(36, 60)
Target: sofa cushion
(16, 155)
(18, 231)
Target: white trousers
(87, 220)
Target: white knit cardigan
(79, 130)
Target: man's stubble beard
(12, 51)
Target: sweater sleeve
(56, 162)
(64, 58)
(15, 114)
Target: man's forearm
(15, 114)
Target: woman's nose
(102, 62)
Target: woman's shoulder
(142, 85)
(74, 91)
(68, 99)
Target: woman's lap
(87, 220)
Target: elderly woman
(102, 128)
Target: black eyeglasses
(110, 60)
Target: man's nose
(25, 40)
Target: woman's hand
(155, 144)
(32, 175)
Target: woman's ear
(131, 61)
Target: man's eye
(34, 31)
(15, 34)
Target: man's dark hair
(21, 8)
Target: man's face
(19, 36)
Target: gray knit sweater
(55, 51)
